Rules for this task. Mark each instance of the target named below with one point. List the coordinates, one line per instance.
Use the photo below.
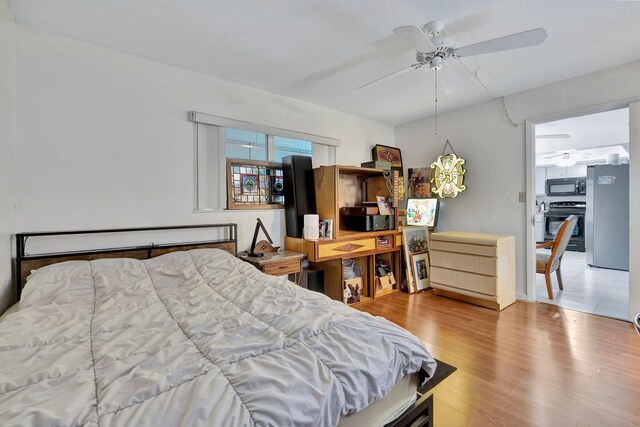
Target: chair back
(563, 235)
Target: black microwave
(567, 187)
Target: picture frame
(416, 241)
(423, 212)
(421, 276)
(384, 153)
(326, 229)
(383, 206)
(419, 183)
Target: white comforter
(195, 338)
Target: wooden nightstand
(277, 263)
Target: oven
(566, 187)
(557, 213)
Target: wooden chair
(548, 263)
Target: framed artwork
(253, 184)
(420, 264)
(448, 176)
(383, 206)
(423, 212)
(326, 229)
(416, 241)
(419, 183)
(383, 153)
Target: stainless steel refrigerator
(607, 218)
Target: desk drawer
(346, 248)
(464, 262)
(282, 268)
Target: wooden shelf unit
(343, 186)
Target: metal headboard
(25, 262)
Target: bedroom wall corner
(7, 152)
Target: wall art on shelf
(383, 205)
(419, 183)
(420, 263)
(253, 184)
(384, 153)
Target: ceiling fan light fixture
(566, 160)
(436, 63)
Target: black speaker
(313, 279)
(299, 192)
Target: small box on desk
(386, 282)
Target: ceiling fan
(567, 157)
(434, 49)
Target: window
(245, 144)
(290, 147)
(218, 138)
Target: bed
(188, 334)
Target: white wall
(495, 174)
(634, 209)
(104, 141)
(7, 150)
(495, 150)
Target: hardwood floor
(532, 364)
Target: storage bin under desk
(475, 267)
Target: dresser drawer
(282, 268)
(346, 248)
(464, 262)
(468, 281)
(466, 248)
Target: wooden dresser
(474, 267)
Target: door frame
(530, 182)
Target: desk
(277, 263)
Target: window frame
(210, 156)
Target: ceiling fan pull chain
(436, 98)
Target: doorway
(581, 169)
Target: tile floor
(588, 289)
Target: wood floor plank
(531, 364)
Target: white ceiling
(596, 135)
(321, 50)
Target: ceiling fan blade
(415, 37)
(513, 41)
(394, 74)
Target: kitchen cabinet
(577, 170)
(541, 177)
(554, 172)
